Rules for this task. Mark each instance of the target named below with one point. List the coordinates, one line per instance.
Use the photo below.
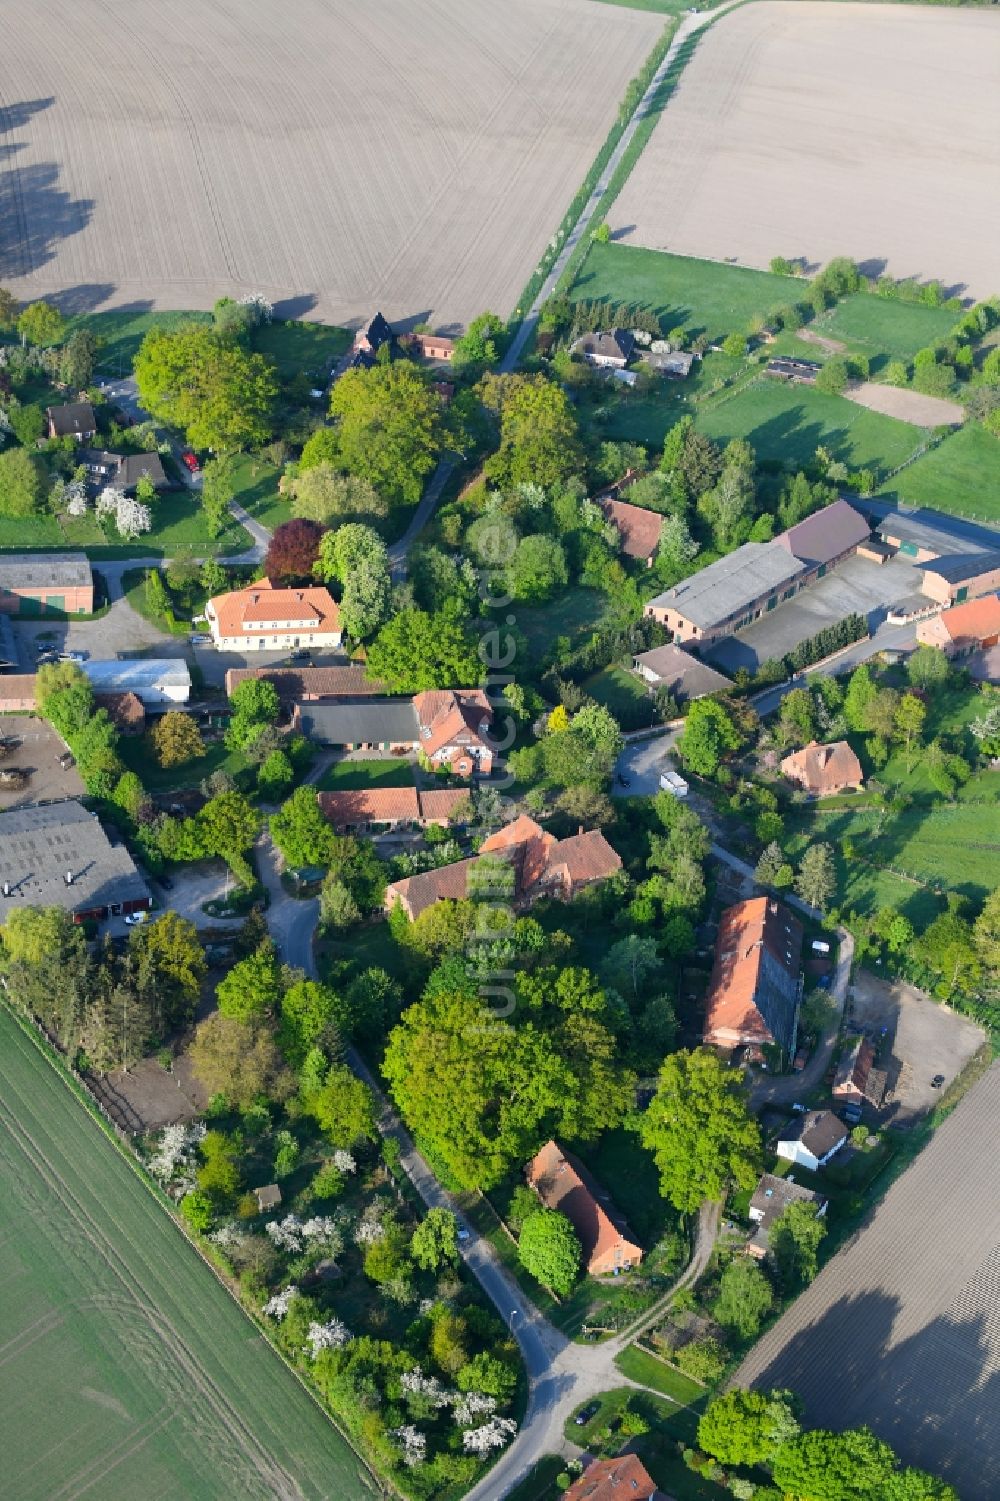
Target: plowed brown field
(410, 154)
(818, 130)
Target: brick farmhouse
(822, 770)
(263, 617)
(964, 628)
(756, 985)
(563, 1183)
(32, 583)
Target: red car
(191, 460)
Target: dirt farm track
(410, 154)
(816, 130)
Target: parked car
(73, 656)
(586, 1413)
(851, 1114)
(190, 460)
(47, 656)
(133, 919)
(199, 638)
(798, 1109)
(66, 760)
(937, 1081)
(166, 882)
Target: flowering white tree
(75, 498)
(329, 1336)
(176, 1150)
(228, 1236)
(287, 1233)
(344, 1162)
(277, 1306)
(413, 1444)
(130, 516)
(468, 1406)
(261, 310)
(492, 1435)
(415, 1384)
(370, 1228)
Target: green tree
(170, 966)
(343, 1107)
(897, 373)
(909, 722)
(948, 948)
(746, 1428)
(218, 487)
(337, 908)
(310, 1013)
(539, 440)
(301, 832)
(745, 1297)
(356, 556)
(28, 423)
(927, 668)
(253, 987)
(817, 876)
(821, 1466)
(324, 493)
(218, 394)
(691, 461)
(434, 1244)
(275, 776)
(861, 692)
(390, 428)
(176, 739)
(41, 324)
(32, 933)
(9, 309)
(479, 345)
(709, 735)
(549, 1248)
(833, 376)
(238, 1060)
(986, 934)
(416, 651)
(794, 1241)
(798, 716)
(538, 569)
(735, 346)
(699, 1130)
(474, 1089)
(76, 359)
(20, 483)
(254, 704)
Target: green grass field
(962, 475)
(640, 1366)
(575, 614)
(295, 347)
(622, 692)
(122, 332)
(786, 424)
(703, 297)
(129, 1371)
(878, 325)
(177, 525)
(349, 776)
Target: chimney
(69, 878)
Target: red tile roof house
(543, 866)
(454, 729)
(822, 770)
(378, 809)
(756, 985)
(563, 1183)
(308, 684)
(963, 628)
(622, 1479)
(432, 346)
(263, 617)
(638, 529)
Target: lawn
(622, 692)
(129, 1368)
(619, 1158)
(574, 614)
(298, 346)
(703, 297)
(658, 1449)
(349, 776)
(786, 424)
(135, 751)
(878, 325)
(540, 1485)
(640, 1365)
(255, 483)
(120, 334)
(177, 525)
(961, 475)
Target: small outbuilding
(771, 1198)
(679, 672)
(267, 1198)
(812, 1139)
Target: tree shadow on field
(35, 213)
(934, 1396)
(295, 307)
(73, 302)
(414, 320)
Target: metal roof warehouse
(58, 855)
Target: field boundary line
(68, 1077)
